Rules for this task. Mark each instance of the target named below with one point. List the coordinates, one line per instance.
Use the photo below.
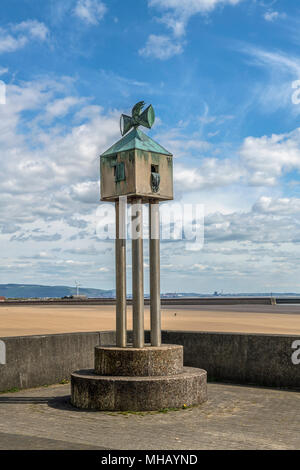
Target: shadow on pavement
(59, 402)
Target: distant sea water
(296, 305)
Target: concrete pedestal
(91, 391)
(138, 379)
(145, 362)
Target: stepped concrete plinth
(135, 362)
(138, 379)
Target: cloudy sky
(223, 77)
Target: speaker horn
(147, 117)
(126, 123)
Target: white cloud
(275, 92)
(270, 220)
(211, 173)
(86, 191)
(34, 28)
(268, 157)
(55, 171)
(175, 15)
(181, 144)
(49, 183)
(178, 12)
(177, 25)
(191, 7)
(273, 15)
(17, 36)
(278, 61)
(61, 107)
(232, 183)
(104, 270)
(90, 11)
(281, 206)
(256, 250)
(8, 43)
(259, 162)
(161, 47)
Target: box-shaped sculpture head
(136, 166)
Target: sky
(224, 79)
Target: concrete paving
(20, 442)
(235, 417)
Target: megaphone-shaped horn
(126, 123)
(147, 117)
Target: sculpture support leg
(154, 245)
(137, 274)
(121, 317)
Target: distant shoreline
(164, 301)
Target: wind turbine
(77, 287)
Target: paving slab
(21, 442)
(235, 417)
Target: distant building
(2, 299)
(79, 297)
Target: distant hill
(239, 294)
(25, 291)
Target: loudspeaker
(126, 123)
(147, 117)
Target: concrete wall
(257, 359)
(264, 360)
(32, 361)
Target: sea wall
(164, 301)
(255, 359)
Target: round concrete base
(139, 362)
(91, 391)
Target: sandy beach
(44, 319)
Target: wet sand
(44, 319)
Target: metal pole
(137, 273)
(154, 244)
(121, 317)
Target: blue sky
(219, 74)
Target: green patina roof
(136, 139)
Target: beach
(22, 320)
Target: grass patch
(15, 389)
(11, 390)
(167, 410)
(154, 412)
